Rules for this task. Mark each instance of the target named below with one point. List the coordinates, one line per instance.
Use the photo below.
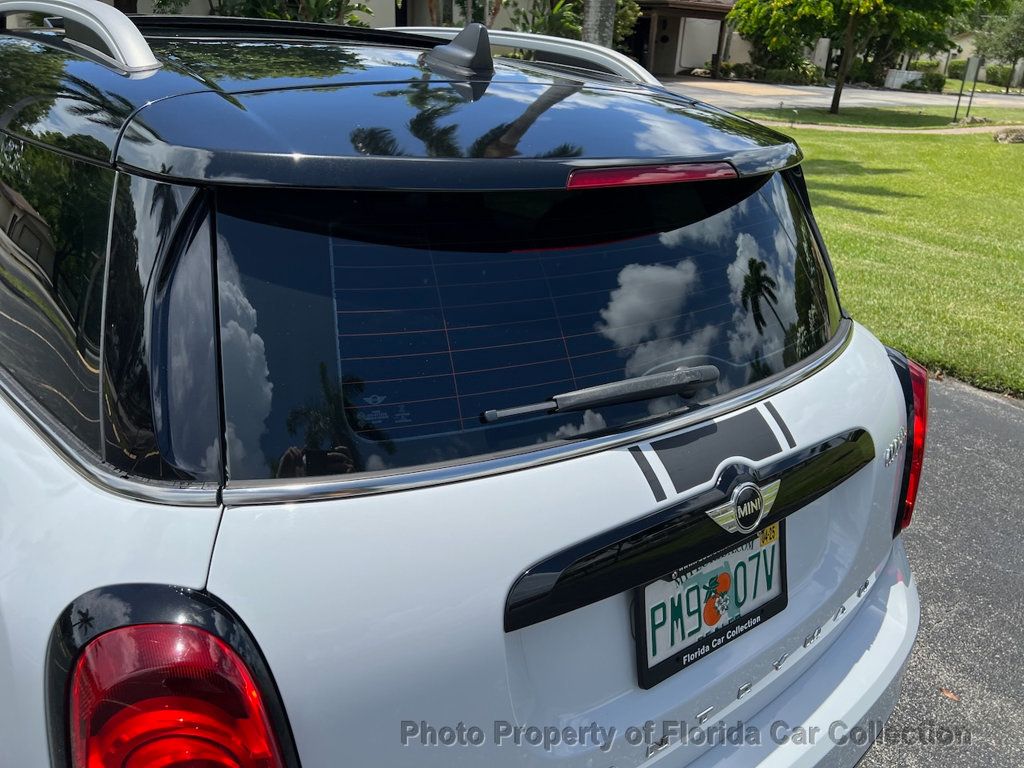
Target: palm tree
(760, 368)
(503, 140)
(432, 104)
(334, 421)
(758, 285)
(375, 142)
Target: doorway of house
(638, 44)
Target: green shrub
(747, 71)
(863, 72)
(957, 69)
(804, 73)
(725, 68)
(998, 74)
(933, 81)
(923, 65)
(914, 85)
(811, 74)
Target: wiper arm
(684, 382)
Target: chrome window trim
(87, 463)
(257, 492)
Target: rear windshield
(368, 332)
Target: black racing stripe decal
(747, 435)
(646, 548)
(648, 470)
(782, 424)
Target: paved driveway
(734, 94)
(966, 549)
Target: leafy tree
(779, 30)
(23, 78)
(236, 62)
(543, 18)
(565, 18)
(484, 11)
(324, 11)
(782, 28)
(1002, 37)
(974, 17)
(626, 14)
(331, 424)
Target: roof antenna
(469, 53)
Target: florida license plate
(692, 612)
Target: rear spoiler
(385, 174)
(239, 139)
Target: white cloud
(647, 302)
(712, 231)
(665, 354)
(245, 357)
(591, 423)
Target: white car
(372, 400)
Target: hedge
(933, 81)
(998, 74)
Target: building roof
(699, 9)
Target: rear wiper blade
(684, 382)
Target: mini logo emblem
(749, 503)
(749, 506)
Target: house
(674, 35)
(670, 35)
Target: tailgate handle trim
(648, 547)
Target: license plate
(692, 612)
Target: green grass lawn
(927, 237)
(953, 86)
(888, 117)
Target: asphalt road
(965, 548)
(737, 94)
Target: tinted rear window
(365, 332)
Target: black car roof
(266, 103)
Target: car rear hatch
(397, 259)
(407, 565)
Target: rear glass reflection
(369, 332)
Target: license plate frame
(649, 676)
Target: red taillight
(597, 178)
(167, 696)
(915, 448)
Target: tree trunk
(849, 36)
(127, 6)
(495, 9)
(599, 22)
(507, 145)
(716, 67)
